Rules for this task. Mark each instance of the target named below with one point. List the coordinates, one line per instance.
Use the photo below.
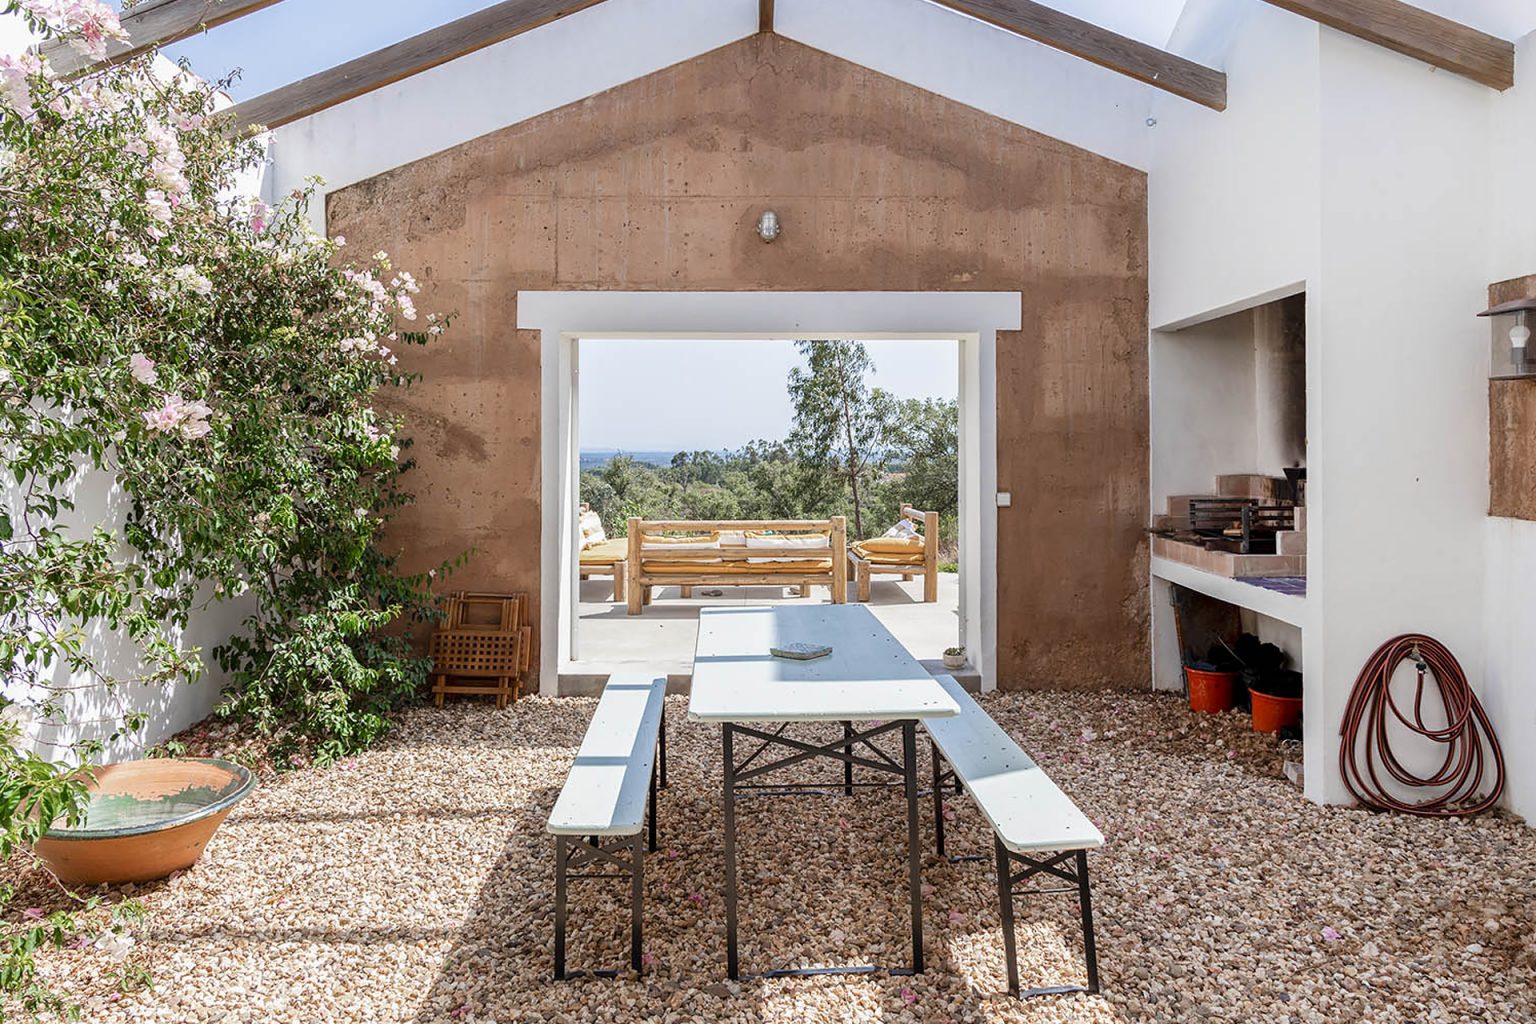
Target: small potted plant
(954, 657)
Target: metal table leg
(732, 965)
(914, 850)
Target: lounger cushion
(881, 558)
(784, 546)
(606, 553)
(722, 568)
(890, 545)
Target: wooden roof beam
(419, 53)
(1416, 33)
(1155, 67)
(151, 24)
(765, 15)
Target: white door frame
(971, 318)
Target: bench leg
(637, 893)
(645, 594)
(687, 590)
(634, 596)
(930, 586)
(906, 577)
(560, 842)
(1085, 903)
(863, 583)
(938, 797)
(848, 765)
(805, 590)
(662, 743)
(620, 572)
(651, 816)
(1005, 911)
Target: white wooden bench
(1035, 825)
(610, 796)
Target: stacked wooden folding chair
(484, 648)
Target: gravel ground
(415, 884)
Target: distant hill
(597, 458)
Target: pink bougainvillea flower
(696, 897)
(143, 368)
(672, 854)
(1330, 934)
(646, 959)
(33, 913)
(955, 917)
(908, 996)
(459, 1011)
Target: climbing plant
(189, 416)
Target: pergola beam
(419, 53)
(765, 15)
(1416, 33)
(151, 24)
(1155, 67)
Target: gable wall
(881, 186)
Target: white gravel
(415, 884)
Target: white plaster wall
(977, 64)
(1510, 544)
(1398, 368)
(1204, 420)
(1232, 197)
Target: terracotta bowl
(145, 820)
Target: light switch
(1004, 499)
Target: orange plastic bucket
(1271, 714)
(1210, 692)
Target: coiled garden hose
(1470, 745)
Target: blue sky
(727, 392)
(295, 38)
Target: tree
(926, 431)
(840, 422)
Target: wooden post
(930, 557)
(686, 590)
(839, 558)
(635, 594)
(863, 582)
(620, 571)
(805, 590)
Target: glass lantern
(1511, 355)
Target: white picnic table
(868, 679)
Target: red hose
(1467, 737)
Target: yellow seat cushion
(890, 545)
(887, 558)
(606, 553)
(652, 540)
(701, 568)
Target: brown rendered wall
(881, 187)
(1512, 427)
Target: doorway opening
(732, 434)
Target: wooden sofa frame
(863, 569)
(641, 582)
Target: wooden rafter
(373, 71)
(765, 15)
(155, 23)
(1107, 49)
(1416, 33)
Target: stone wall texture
(881, 186)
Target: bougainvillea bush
(220, 363)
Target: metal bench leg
(914, 842)
(662, 742)
(848, 765)
(1005, 911)
(637, 890)
(1085, 902)
(651, 816)
(732, 963)
(938, 797)
(560, 908)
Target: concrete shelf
(1288, 608)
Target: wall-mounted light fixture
(1511, 354)
(768, 226)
